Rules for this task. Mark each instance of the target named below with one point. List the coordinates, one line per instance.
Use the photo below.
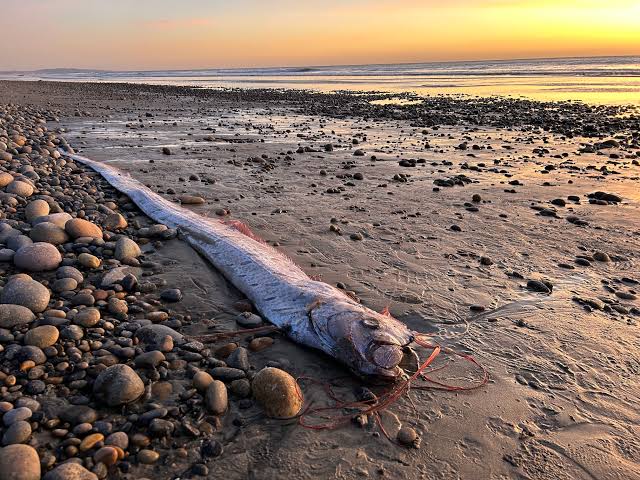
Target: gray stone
(13, 315)
(26, 292)
(118, 384)
(37, 257)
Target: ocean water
(596, 80)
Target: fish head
(370, 343)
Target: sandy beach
(505, 229)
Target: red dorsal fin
(244, 229)
(385, 311)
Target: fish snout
(387, 356)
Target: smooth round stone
(107, 456)
(277, 392)
(35, 209)
(216, 397)
(601, 257)
(64, 285)
(149, 359)
(70, 471)
(18, 432)
(5, 179)
(202, 380)
(118, 439)
(126, 248)
(26, 292)
(249, 320)
(146, 457)
(88, 260)
(191, 200)
(88, 317)
(37, 257)
(118, 384)
(171, 295)
(90, 441)
(77, 227)
(19, 462)
(6, 254)
(13, 315)
(20, 188)
(32, 353)
(72, 332)
(16, 415)
(49, 233)
(42, 337)
(70, 272)
(115, 221)
(118, 306)
(59, 219)
(407, 436)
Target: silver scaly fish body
(312, 313)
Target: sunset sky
(162, 34)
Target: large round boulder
(19, 462)
(26, 292)
(37, 257)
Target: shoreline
(375, 212)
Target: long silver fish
(312, 313)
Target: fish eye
(371, 323)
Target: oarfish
(311, 312)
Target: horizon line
(320, 66)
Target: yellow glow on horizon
(286, 32)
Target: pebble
(277, 392)
(114, 222)
(202, 380)
(191, 200)
(148, 457)
(260, 343)
(118, 384)
(90, 441)
(20, 188)
(407, 436)
(249, 320)
(70, 471)
(216, 397)
(601, 257)
(14, 315)
(126, 248)
(77, 228)
(106, 455)
(37, 257)
(42, 337)
(19, 462)
(35, 209)
(18, 432)
(48, 232)
(89, 261)
(26, 292)
(171, 295)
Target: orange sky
(158, 34)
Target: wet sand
(562, 397)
